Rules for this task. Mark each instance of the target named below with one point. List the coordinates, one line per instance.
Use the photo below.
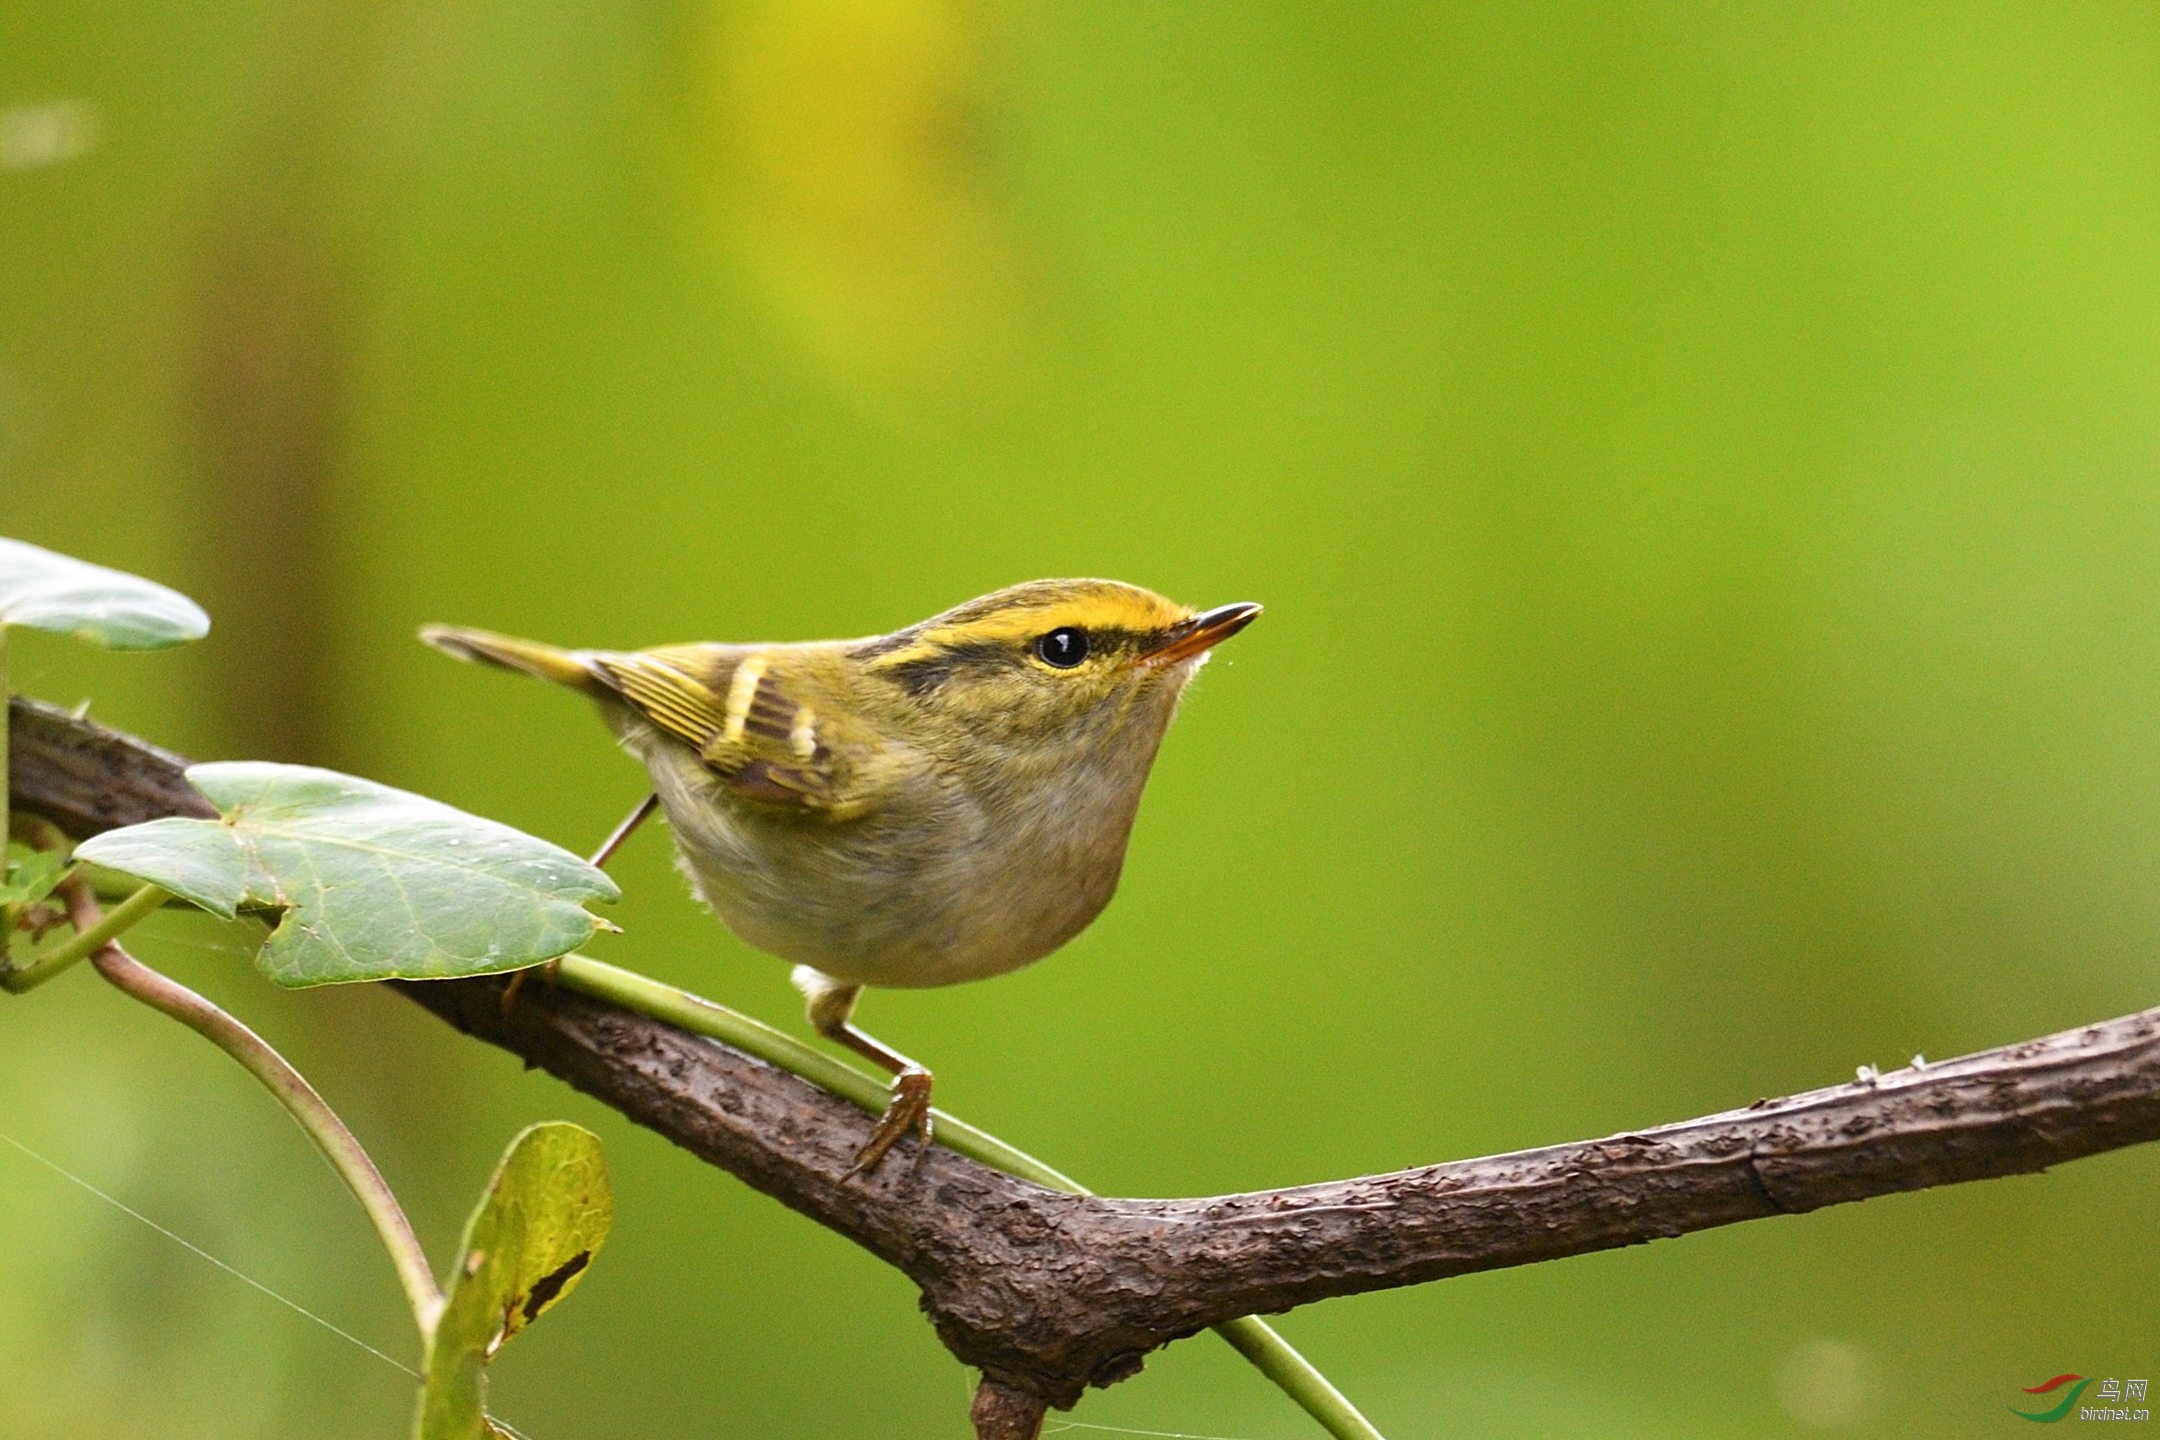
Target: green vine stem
(40, 968)
(289, 1086)
(1251, 1336)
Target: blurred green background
(1702, 464)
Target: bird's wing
(746, 714)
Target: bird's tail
(527, 657)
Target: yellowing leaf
(542, 1219)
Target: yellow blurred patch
(847, 146)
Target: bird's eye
(1063, 647)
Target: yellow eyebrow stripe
(1026, 622)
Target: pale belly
(933, 898)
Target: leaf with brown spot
(545, 1214)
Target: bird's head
(1050, 665)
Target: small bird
(945, 803)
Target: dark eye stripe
(921, 676)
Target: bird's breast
(943, 882)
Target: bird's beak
(1198, 635)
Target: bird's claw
(909, 1109)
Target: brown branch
(86, 778)
(1047, 1292)
(1003, 1413)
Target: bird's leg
(829, 1003)
(623, 832)
(599, 860)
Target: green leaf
(27, 876)
(369, 883)
(30, 875)
(542, 1219)
(42, 590)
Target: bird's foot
(909, 1109)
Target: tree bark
(1003, 1413)
(1048, 1293)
